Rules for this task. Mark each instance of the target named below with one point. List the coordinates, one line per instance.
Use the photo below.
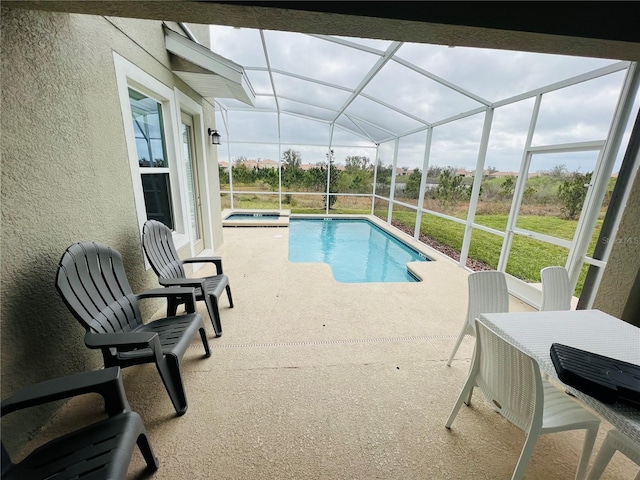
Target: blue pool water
(357, 250)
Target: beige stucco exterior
(66, 177)
(66, 174)
(618, 293)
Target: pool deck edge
(281, 221)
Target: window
(148, 128)
(150, 117)
(168, 176)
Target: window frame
(128, 76)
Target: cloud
(575, 114)
(318, 59)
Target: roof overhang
(209, 74)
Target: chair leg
(172, 307)
(169, 370)
(463, 332)
(602, 460)
(464, 395)
(228, 288)
(214, 314)
(205, 342)
(147, 452)
(525, 455)
(587, 448)
(467, 401)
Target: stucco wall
(202, 33)
(65, 178)
(617, 292)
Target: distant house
(463, 172)
(309, 166)
(260, 164)
(251, 164)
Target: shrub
(572, 193)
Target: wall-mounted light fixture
(215, 137)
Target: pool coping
(420, 269)
(281, 221)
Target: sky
(314, 79)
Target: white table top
(591, 330)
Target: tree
(559, 171)
(434, 171)
(292, 176)
(291, 158)
(355, 181)
(529, 193)
(413, 184)
(450, 188)
(242, 174)
(506, 187)
(491, 170)
(356, 162)
(224, 175)
(315, 179)
(383, 178)
(572, 193)
(360, 183)
(268, 176)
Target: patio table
(591, 330)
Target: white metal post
(519, 189)
(392, 186)
(423, 183)
(331, 158)
(588, 295)
(375, 179)
(279, 158)
(225, 119)
(477, 183)
(601, 175)
(279, 175)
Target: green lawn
(527, 257)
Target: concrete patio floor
(313, 379)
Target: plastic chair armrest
(217, 261)
(167, 291)
(181, 282)
(186, 293)
(121, 340)
(107, 383)
(126, 341)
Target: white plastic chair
(488, 293)
(511, 382)
(614, 441)
(556, 289)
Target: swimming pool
(357, 250)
